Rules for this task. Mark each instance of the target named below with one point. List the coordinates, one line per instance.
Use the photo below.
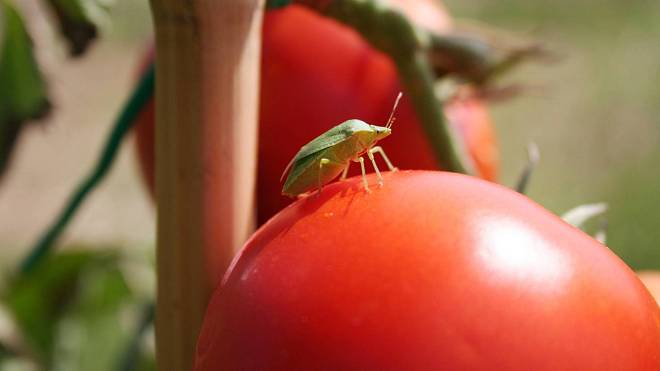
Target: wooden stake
(208, 57)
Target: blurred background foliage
(593, 115)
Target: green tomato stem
(141, 95)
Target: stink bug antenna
(390, 120)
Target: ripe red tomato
(307, 89)
(145, 145)
(433, 271)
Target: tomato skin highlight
(433, 271)
(317, 73)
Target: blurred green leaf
(23, 94)
(133, 357)
(68, 293)
(91, 335)
(76, 22)
(38, 300)
(5, 353)
(17, 364)
(635, 214)
(148, 363)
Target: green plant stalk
(123, 124)
(391, 32)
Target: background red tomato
(317, 73)
(433, 271)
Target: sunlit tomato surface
(433, 271)
(316, 74)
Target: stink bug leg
(364, 174)
(379, 149)
(373, 162)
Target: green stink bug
(321, 160)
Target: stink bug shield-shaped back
(330, 154)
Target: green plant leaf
(147, 363)
(134, 357)
(23, 94)
(5, 353)
(39, 299)
(91, 335)
(77, 21)
(42, 298)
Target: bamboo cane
(207, 104)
